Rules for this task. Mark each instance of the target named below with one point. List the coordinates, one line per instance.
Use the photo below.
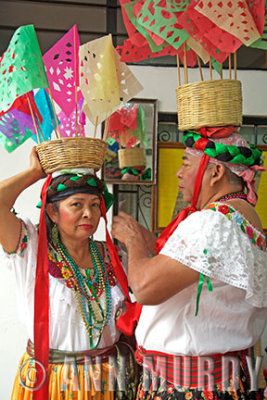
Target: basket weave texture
(209, 103)
(75, 152)
(132, 157)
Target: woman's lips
(86, 227)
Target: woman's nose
(86, 212)
(178, 173)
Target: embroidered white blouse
(225, 247)
(67, 331)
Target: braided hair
(224, 152)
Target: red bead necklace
(235, 195)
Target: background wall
(159, 83)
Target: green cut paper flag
(21, 67)
(162, 22)
(129, 9)
(11, 143)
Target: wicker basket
(209, 103)
(132, 157)
(71, 152)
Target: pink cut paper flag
(62, 68)
(68, 125)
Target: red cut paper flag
(136, 38)
(132, 9)
(130, 53)
(22, 104)
(199, 28)
(62, 67)
(233, 17)
(257, 10)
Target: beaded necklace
(87, 290)
(234, 195)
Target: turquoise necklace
(87, 291)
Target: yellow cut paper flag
(98, 78)
(106, 82)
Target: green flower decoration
(107, 196)
(75, 178)
(61, 187)
(91, 182)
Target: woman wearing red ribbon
(185, 333)
(71, 288)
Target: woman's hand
(35, 165)
(125, 228)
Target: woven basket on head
(132, 157)
(75, 152)
(209, 103)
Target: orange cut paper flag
(106, 82)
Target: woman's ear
(51, 212)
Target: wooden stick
(33, 119)
(40, 129)
(39, 126)
(55, 128)
(200, 69)
(230, 66)
(107, 123)
(178, 69)
(221, 71)
(53, 105)
(185, 65)
(210, 69)
(96, 121)
(76, 92)
(235, 65)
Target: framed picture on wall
(165, 197)
(167, 202)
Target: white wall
(159, 83)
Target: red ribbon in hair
(168, 231)
(41, 306)
(127, 321)
(217, 132)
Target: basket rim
(209, 81)
(65, 139)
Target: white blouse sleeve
(211, 244)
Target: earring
(54, 234)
